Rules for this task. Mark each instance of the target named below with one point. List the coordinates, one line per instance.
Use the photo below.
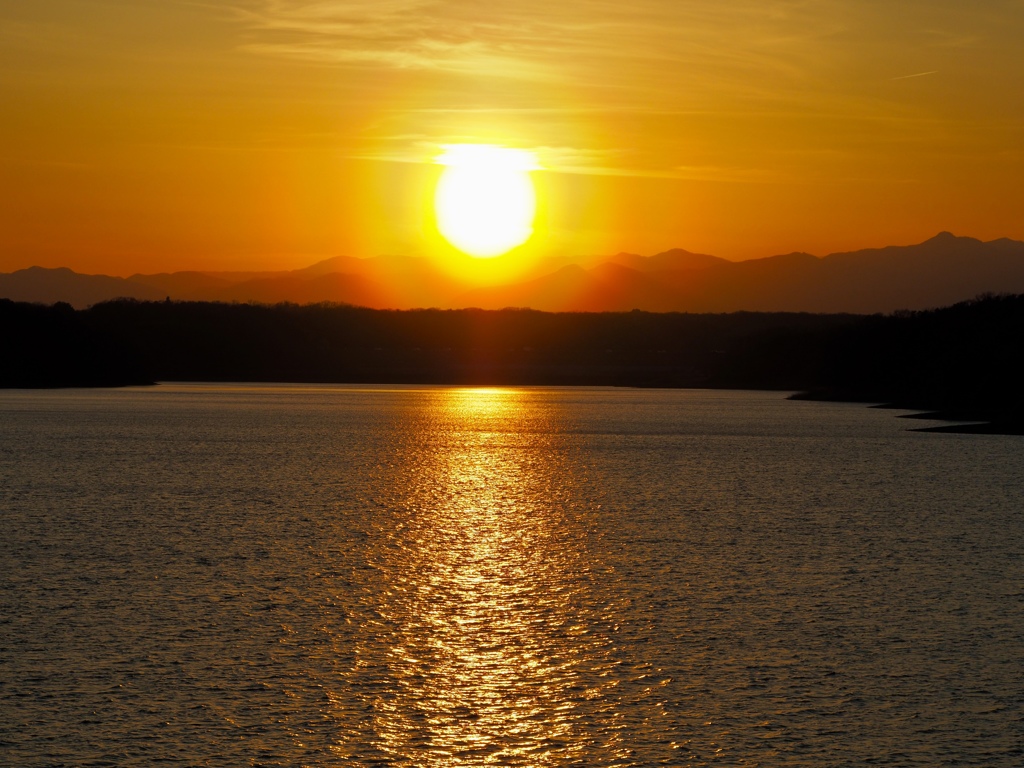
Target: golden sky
(157, 135)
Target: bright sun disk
(485, 202)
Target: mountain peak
(942, 237)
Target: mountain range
(940, 271)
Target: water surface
(317, 576)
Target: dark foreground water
(313, 576)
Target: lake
(281, 575)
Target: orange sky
(158, 135)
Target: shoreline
(963, 420)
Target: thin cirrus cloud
(788, 59)
(419, 148)
(403, 34)
(565, 62)
(752, 48)
(540, 40)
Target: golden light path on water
(486, 645)
(290, 576)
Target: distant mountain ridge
(940, 271)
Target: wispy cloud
(404, 34)
(917, 74)
(536, 39)
(419, 148)
(650, 68)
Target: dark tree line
(960, 359)
(56, 346)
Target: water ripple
(266, 576)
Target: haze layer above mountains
(937, 272)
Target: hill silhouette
(50, 286)
(938, 272)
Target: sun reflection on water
(487, 647)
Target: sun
(485, 202)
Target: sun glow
(485, 201)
